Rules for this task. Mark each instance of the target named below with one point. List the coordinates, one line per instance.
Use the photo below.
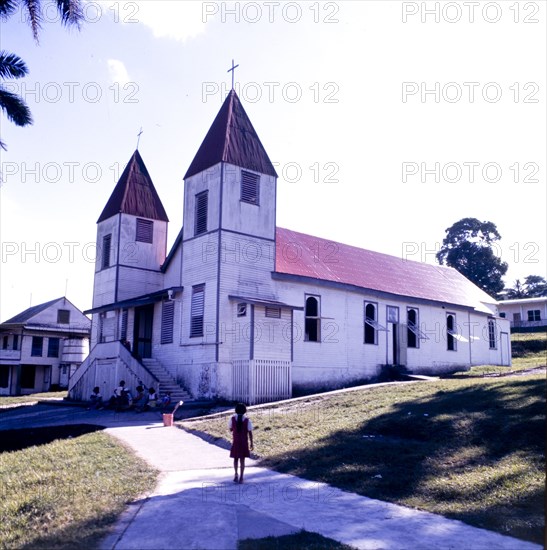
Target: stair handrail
(133, 358)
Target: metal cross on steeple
(232, 70)
(139, 137)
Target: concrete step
(166, 381)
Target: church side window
(145, 231)
(492, 333)
(312, 329)
(105, 252)
(200, 216)
(167, 322)
(451, 332)
(5, 342)
(196, 310)
(249, 187)
(412, 323)
(370, 323)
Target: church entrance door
(142, 336)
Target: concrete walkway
(196, 505)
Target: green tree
(468, 248)
(517, 291)
(12, 66)
(534, 286)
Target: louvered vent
(167, 322)
(196, 311)
(201, 213)
(249, 187)
(145, 231)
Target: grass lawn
(470, 448)
(66, 493)
(22, 399)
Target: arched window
(412, 327)
(450, 332)
(370, 318)
(312, 331)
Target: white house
(525, 314)
(41, 346)
(242, 309)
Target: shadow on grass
(486, 434)
(17, 440)
(82, 534)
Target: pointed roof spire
(232, 138)
(135, 194)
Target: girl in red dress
(242, 434)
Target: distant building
(41, 347)
(244, 310)
(525, 314)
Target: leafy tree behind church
(534, 286)
(468, 248)
(12, 66)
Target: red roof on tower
(232, 138)
(135, 194)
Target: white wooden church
(241, 309)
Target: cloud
(179, 20)
(118, 72)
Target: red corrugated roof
(308, 256)
(135, 194)
(232, 138)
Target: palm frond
(35, 16)
(3, 146)
(7, 8)
(12, 66)
(15, 108)
(71, 12)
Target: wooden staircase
(166, 381)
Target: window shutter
(196, 311)
(123, 331)
(201, 213)
(145, 231)
(273, 312)
(249, 187)
(105, 260)
(167, 322)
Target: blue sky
(357, 103)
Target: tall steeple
(131, 238)
(232, 138)
(135, 194)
